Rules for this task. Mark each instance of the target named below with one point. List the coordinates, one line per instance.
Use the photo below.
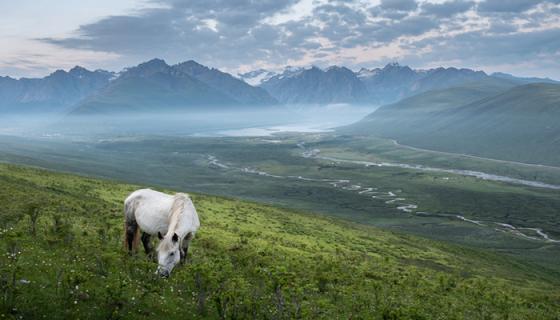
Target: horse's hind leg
(131, 229)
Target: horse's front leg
(147, 244)
(185, 247)
(184, 251)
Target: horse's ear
(175, 237)
(159, 236)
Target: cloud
(181, 29)
(248, 33)
(485, 49)
(447, 9)
(510, 5)
(399, 5)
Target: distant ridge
(527, 80)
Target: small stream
(469, 173)
(396, 197)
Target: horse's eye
(172, 254)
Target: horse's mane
(177, 207)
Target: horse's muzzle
(163, 273)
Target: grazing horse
(172, 218)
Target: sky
(521, 37)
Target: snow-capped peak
(257, 77)
(367, 73)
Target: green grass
(182, 164)
(248, 261)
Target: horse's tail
(131, 229)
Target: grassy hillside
(520, 124)
(61, 239)
(413, 115)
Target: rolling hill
(65, 259)
(407, 115)
(519, 124)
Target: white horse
(172, 218)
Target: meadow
(62, 243)
(272, 170)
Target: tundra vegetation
(64, 258)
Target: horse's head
(168, 254)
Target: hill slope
(248, 260)
(520, 124)
(414, 114)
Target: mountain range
(316, 86)
(57, 92)
(155, 86)
(379, 86)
